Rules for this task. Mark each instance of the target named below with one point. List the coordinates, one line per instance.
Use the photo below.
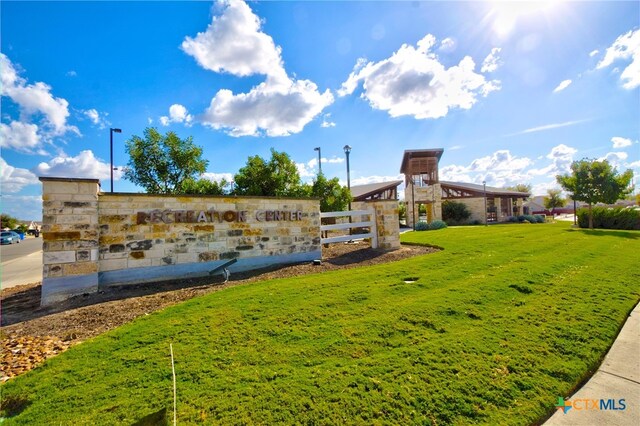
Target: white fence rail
(371, 224)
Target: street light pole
(111, 131)
(347, 151)
(484, 187)
(319, 160)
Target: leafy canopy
(333, 196)
(164, 164)
(277, 177)
(455, 213)
(7, 221)
(554, 199)
(594, 181)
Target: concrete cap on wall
(61, 179)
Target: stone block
(79, 268)
(58, 236)
(52, 257)
(113, 264)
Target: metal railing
(371, 224)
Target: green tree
(203, 186)
(455, 213)
(333, 196)
(521, 187)
(7, 221)
(593, 181)
(163, 164)
(278, 177)
(554, 199)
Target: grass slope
(492, 330)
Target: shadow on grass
(24, 305)
(632, 235)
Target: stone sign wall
(93, 239)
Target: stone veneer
(430, 195)
(94, 239)
(387, 221)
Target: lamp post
(111, 131)
(319, 160)
(347, 151)
(484, 188)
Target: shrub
(437, 224)
(512, 219)
(455, 213)
(610, 218)
(476, 222)
(530, 218)
(540, 218)
(422, 226)
(521, 218)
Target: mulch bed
(31, 334)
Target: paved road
(21, 263)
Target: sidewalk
(617, 378)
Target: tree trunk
(590, 217)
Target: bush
(512, 219)
(540, 218)
(610, 218)
(521, 218)
(437, 224)
(455, 213)
(422, 226)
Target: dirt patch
(31, 334)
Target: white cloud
(616, 159)
(502, 169)
(548, 127)
(413, 82)
(177, 114)
(499, 160)
(626, 48)
(619, 142)
(594, 53)
(326, 122)
(97, 118)
(563, 85)
(218, 177)
(20, 136)
(34, 98)
(84, 165)
(13, 179)
(561, 157)
(492, 61)
(23, 207)
(278, 111)
(71, 73)
(447, 45)
(235, 43)
(498, 169)
(309, 169)
(364, 180)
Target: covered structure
(422, 184)
(501, 203)
(376, 191)
(423, 187)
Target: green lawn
(491, 330)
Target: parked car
(19, 232)
(9, 237)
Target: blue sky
(514, 92)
